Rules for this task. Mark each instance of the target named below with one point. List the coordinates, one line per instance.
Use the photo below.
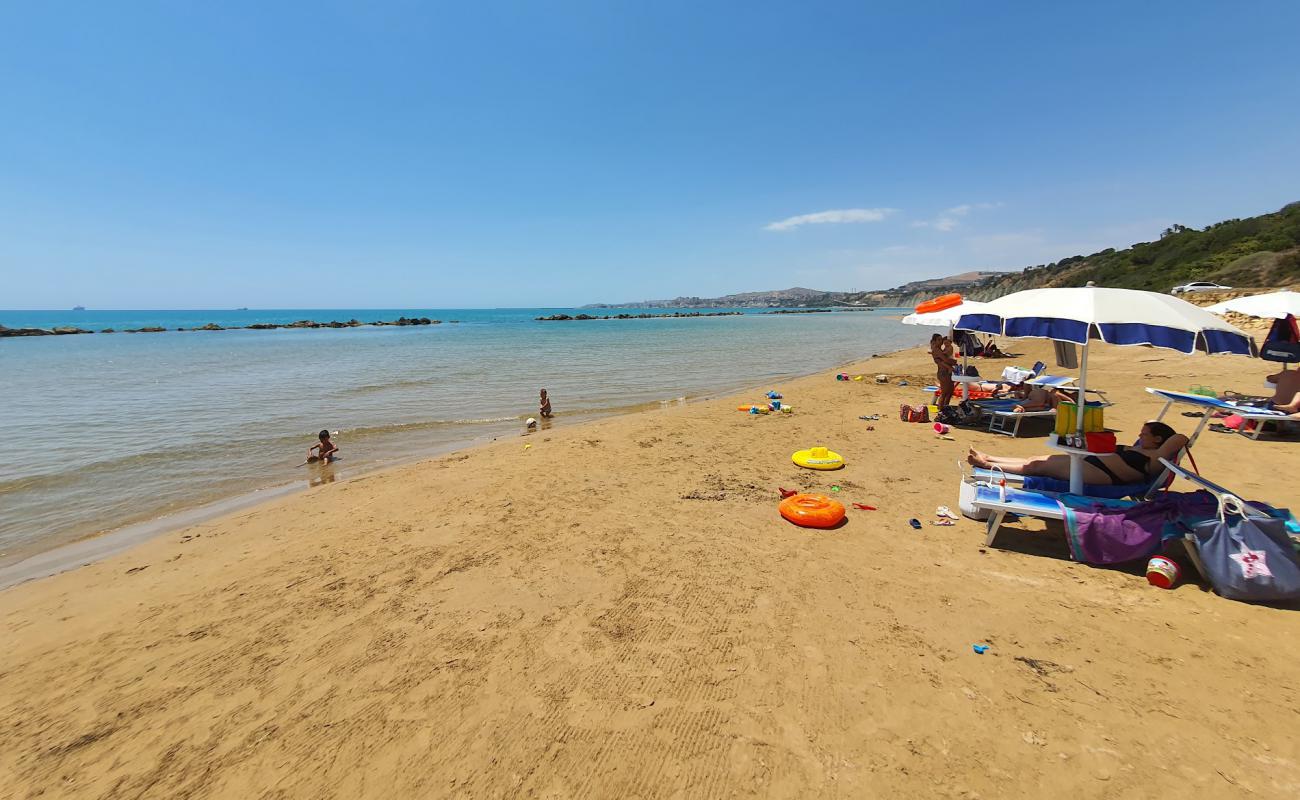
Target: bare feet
(976, 458)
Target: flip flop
(915, 523)
(864, 507)
(943, 522)
(944, 511)
(786, 492)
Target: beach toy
(857, 377)
(1162, 572)
(939, 303)
(775, 405)
(842, 376)
(773, 395)
(812, 511)
(818, 458)
(980, 649)
(940, 428)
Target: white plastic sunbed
(1021, 502)
(1259, 415)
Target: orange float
(939, 303)
(812, 510)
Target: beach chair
(1012, 500)
(1208, 405)
(1007, 422)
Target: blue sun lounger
(1021, 502)
(1261, 416)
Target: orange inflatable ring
(939, 303)
(812, 510)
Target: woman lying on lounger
(1137, 464)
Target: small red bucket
(1100, 442)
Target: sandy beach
(615, 609)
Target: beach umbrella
(946, 318)
(1274, 305)
(1282, 307)
(1114, 316)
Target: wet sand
(616, 609)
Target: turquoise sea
(109, 429)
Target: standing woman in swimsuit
(1137, 464)
(941, 352)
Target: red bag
(913, 413)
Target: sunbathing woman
(1136, 464)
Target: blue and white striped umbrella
(1115, 316)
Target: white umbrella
(946, 318)
(1274, 305)
(1115, 316)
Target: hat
(531, 422)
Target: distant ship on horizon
(78, 308)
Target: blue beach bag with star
(1248, 556)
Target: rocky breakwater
(62, 330)
(675, 314)
(212, 326)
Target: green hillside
(1261, 251)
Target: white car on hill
(1198, 286)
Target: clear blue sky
(208, 155)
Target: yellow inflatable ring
(818, 458)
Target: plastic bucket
(1162, 572)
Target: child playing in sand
(544, 404)
(327, 451)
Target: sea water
(104, 430)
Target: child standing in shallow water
(544, 404)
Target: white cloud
(835, 216)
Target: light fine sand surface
(619, 611)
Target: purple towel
(1115, 531)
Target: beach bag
(913, 413)
(1067, 415)
(961, 414)
(1248, 557)
(966, 494)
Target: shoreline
(91, 548)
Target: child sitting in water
(327, 450)
(544, 404)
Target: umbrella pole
(1076, 462)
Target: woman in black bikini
(1136, 464)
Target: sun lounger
(1020, 502)
(1115, 491)
(1260, 416)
